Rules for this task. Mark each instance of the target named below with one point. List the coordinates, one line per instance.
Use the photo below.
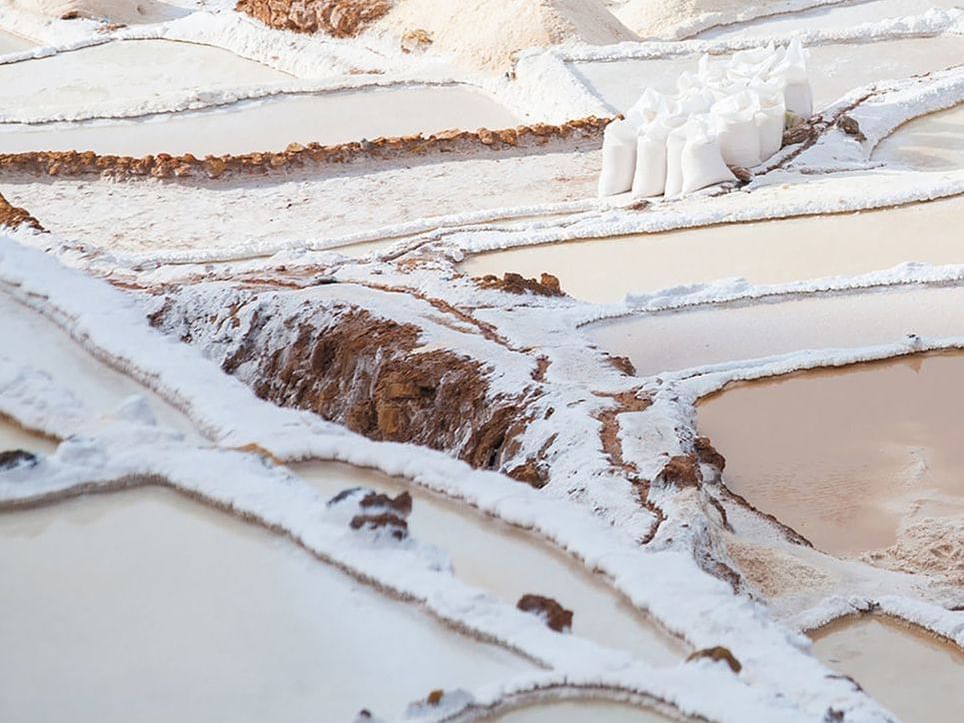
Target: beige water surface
(271, 124)
(909, 671)
(706, 335)
(794, 249)
(582, 712)
(13, 436)
(509, 562)
(845, 456)
(933, 142)
(141, 606)
(10, 43)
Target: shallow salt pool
(701, 336)
(10, 43)
(847, 457)
(909, 671)
(581, 712)
(841, 15)
(509, 562)
(834, 69)
(143, 606)
(42, 345)
(934, 142)
(78, 79)
(13, 436)
(764, 252)
(271, 124)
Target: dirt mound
(338, 18)
(14, 216)
(485, 34)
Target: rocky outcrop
(187, 166)
(545, 285)
(338, 18)
(555, 615)
(13, 217)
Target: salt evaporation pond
(834, 70)
(701, 336)
(764, 252)
(841, 15)
(580, 711)
(143, 606)
(509, 562)
(13, 436)
(934, 142)
(909, 671)
(39, 343)
(271, 124)
(83, 79)
(10, 43)
(847, 456)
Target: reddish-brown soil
(555, 615)
(338, 18)
(163, 165)
(14, 217)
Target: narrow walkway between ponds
(144, 606)
(508, 562)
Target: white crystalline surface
(225, 586)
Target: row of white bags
(728, 114)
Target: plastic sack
(650, 176)
(675, 140)
(797, 94)
(701, 160)
(697, 101)
(649, 105)
(618, 158)
(770, 117)
(739, 135)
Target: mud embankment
(367, 373)
(296, 156)
(15, 217)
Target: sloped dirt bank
(369, 373)
(13, 216)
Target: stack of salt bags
(669, 145)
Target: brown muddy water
(848, 457)
(763, 252)
(508, 562)
(909, 671)
(144, 606)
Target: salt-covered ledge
(662, 578)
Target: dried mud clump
(187, 166)
(15, 217)
(395, 525)
(851, 127)
(338, 18)
(414, 41)
(682, 471)
(16, 458)
(530, 473)
(555, 615)
(545, 285)
(716, 654)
